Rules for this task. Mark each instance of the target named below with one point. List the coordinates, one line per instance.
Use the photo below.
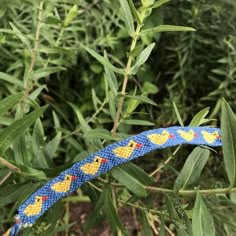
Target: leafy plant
(91, 70)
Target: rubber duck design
(64, 186)
(160, 139)
(210, 137)
(126, 151)
(93, 167)
(36, 207)
(187, 135)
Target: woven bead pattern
(105, 159)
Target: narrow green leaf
(111, 213)
(134, 11)
(157, 4)
(52, 20)
(53, 145)
(162, 227)
(96, 215)
(177, 114)
(21, 36)
(144, 55)
(112, 105)
(112, 80)
(71, 15)
(228, 127)
(44, 72)
(11, 79)
(102, 60)
(138, 122)
(203, 223)
(199, 118)
(102, 134)
(192, 168)
(84, 125)
(145, 224)
(129, 181)
(127, 16)
(9, 134)
(167, 28)
(20, 152)
(142, 99)
(8, 102)
(137, 173)
(31, 172)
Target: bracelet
(103, 161)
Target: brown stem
(125, 81)
(9, 165)
(36, 44)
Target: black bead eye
(67, 178)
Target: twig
(35, 49)
(9, 165)
(191, 192)
(89, 6)
(126, 75)
(5, 177)
(166, 161)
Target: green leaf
(9, 134)
(144, 55)
(142, 99)
(44, 72)
(84, 125)
(8, 102)
(134, 11)
(145, 224)
(203, 223)
(11, 79)
(129, 181)
(138, 122)
(52, 20)
(102, 134)
(167, 28)
(199, 118)
(192, 168)
(71, 15)
(149, 88)
(102, 60)
(112, 80)
(32, 173)
(162, 227)
(137, 173)
(112, 105)
(111, 213)
(157, 4)
(21, 36)
(127, 16)
(177, 114)
(53, 145)
(96, 215)
(228, 127)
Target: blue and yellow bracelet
(104, 160)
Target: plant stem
(36, 44)
(192, 192)
(9, 165)
(126, 76)
(5, 177)
(166, 161)
(113, 192)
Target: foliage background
(194, 70)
